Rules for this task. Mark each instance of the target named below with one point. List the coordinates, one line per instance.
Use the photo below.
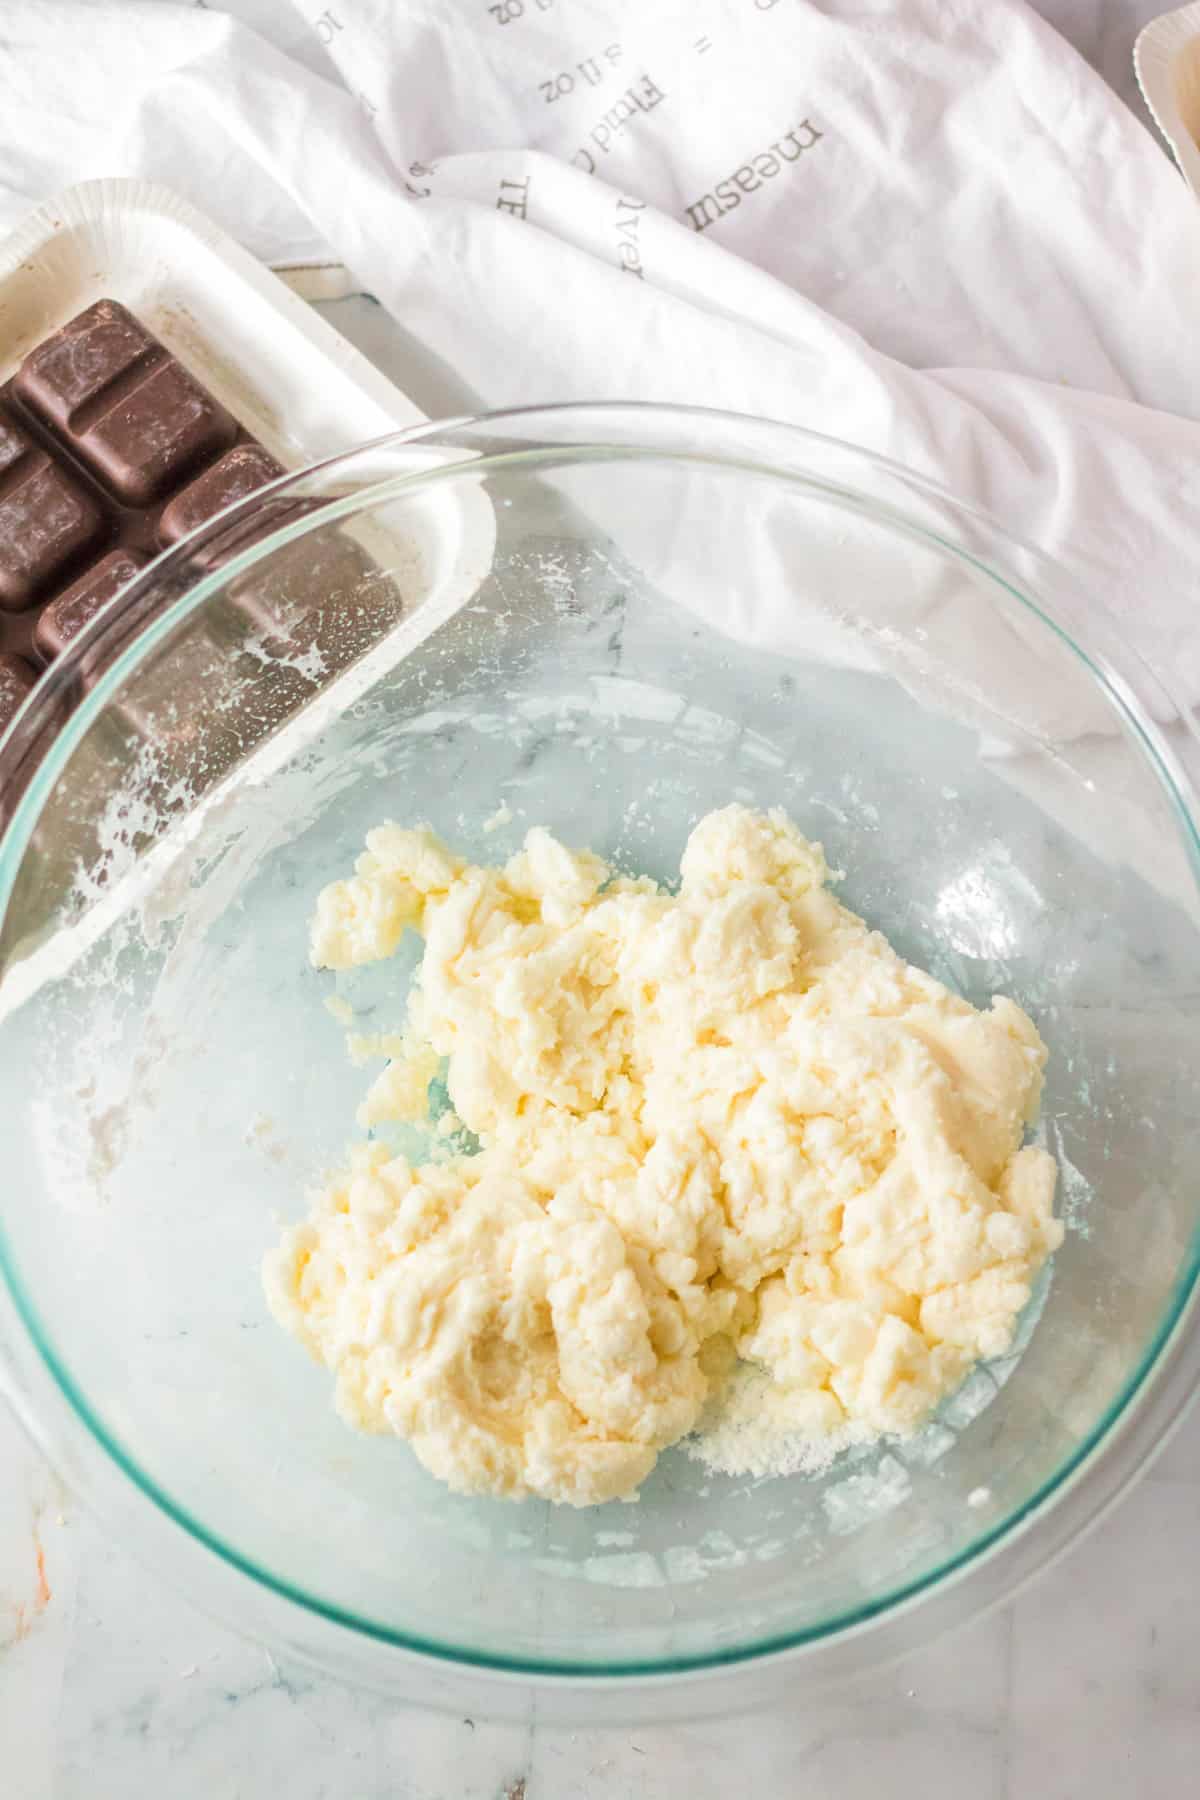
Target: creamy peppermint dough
(725, 1122)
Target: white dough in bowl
(725, 1123)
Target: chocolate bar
(110, 451)
(127, 409)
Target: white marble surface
(112, 1688)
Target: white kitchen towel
(928, 228)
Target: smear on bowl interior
(719, 1127)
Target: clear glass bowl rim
(1154, 1398)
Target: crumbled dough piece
(727, 1120)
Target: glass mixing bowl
(607, 620)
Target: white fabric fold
(933, 230)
